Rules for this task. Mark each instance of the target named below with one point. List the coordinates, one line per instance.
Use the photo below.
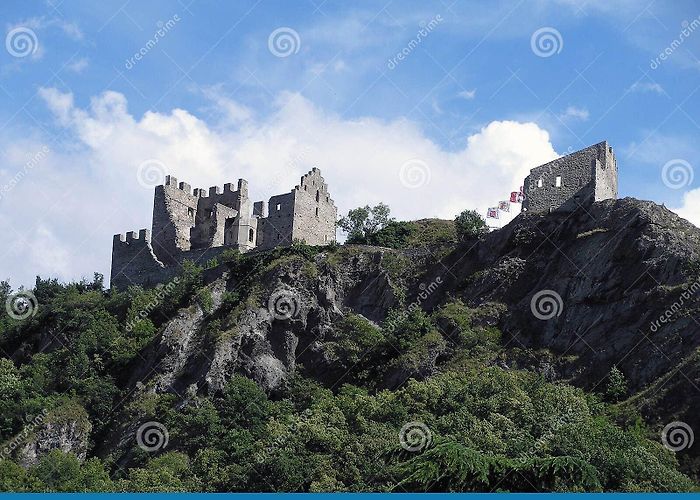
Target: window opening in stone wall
(539, 183)
(251, 235)
(190, 212)
(318, 195)
(557, 182)
(279, 207)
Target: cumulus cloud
(690, 209)
(64, 213)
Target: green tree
(14, 478)
(616, 388)
(470, 224)
(63, 472)
(363, 222)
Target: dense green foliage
(373, 226)
(470, 224)
(363, 222)
(472, 426)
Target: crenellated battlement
(133, 237)
(188, 223)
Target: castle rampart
(199, 224)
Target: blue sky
(472, 104)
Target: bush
(470, 224)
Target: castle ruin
(572, 181)
(198, 225)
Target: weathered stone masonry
(572, 181)
(197, 225)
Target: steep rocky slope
(611, 271)
(573, 295)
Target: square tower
(572, 181)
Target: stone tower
(307, 214)
(572, 181)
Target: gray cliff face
(283, 322)
(617, 267)
(67, 430)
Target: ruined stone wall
(174, 210)
(276, 229)
(198, 225)
(133, 261)
(572, 181)
(606, 174)
(314, 211)
(209, 227)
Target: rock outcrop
(577, 293)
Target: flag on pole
(514, 197)
(492, 213)
(521, 194)
(504, 205)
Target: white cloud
(87, 189)
(78, 65)
(646, 87)
(690, 209)
(574, 113)
(467, 94)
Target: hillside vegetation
(415, 365)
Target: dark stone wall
(585, 176)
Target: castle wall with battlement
(572, 181)
(199, 224)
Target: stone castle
(198, 225)
(572, 181)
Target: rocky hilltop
(570, 297)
